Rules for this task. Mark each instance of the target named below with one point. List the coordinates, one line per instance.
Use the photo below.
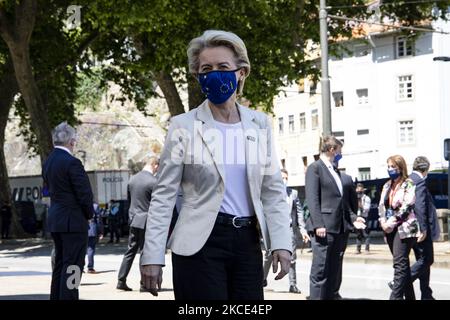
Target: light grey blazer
(140, 189)
(190, 160)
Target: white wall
(378, 72)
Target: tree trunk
(169, 89)
(17, 35)
(195, 94)
(8, 90)
(33, 100)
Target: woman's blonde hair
(218, 38)
(401, 164)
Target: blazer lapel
(204, 114)
(332, 178)
(251, 130)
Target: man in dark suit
(351, 206)
(299, 234)
(71, 207)
(423, 249)
(329, 198)
(140, 189)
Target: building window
(314, 119)
(362, 132)
(280, 126)
(404, 47)
(363, 174)
(312, 87)
(305, 161)
(339, 135)
(405, 87)
(406, 132)
(363, 96)
(302, 122)
(338, 99)
(291, 124)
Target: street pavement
(25, 274)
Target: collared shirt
(148, 169)
(333, 173)
(64, 148)
(420, 174)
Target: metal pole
(325, 80)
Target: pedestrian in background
(71, 208)
(425, 212)
(139, 191)
(329, 201)
(95, 233)
(298, 233)
(114, 221)
(364, 203)
(6, 214)
(400, 225)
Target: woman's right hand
(151, 276)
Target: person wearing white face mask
(330, 201)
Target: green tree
(151, 38)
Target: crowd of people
(217, 195)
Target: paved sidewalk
(25, 271)
(380, 253)
(25, 274)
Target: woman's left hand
(284, 257)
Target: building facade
(388, 97)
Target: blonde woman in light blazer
(400, 225)
(221, 155)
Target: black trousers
(70, 250)
(421, 269)
(228, 267)
(400, 249)
(114, 230)
(341, 247)
(6, 222)
(363, 235)
(135, 245)
(326, 268)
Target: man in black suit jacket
(351, 206)
(330, 202)
(423, 249)
(71, 208)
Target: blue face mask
(218, 86)
(337, 157)
(393, 173)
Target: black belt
(235, 221)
